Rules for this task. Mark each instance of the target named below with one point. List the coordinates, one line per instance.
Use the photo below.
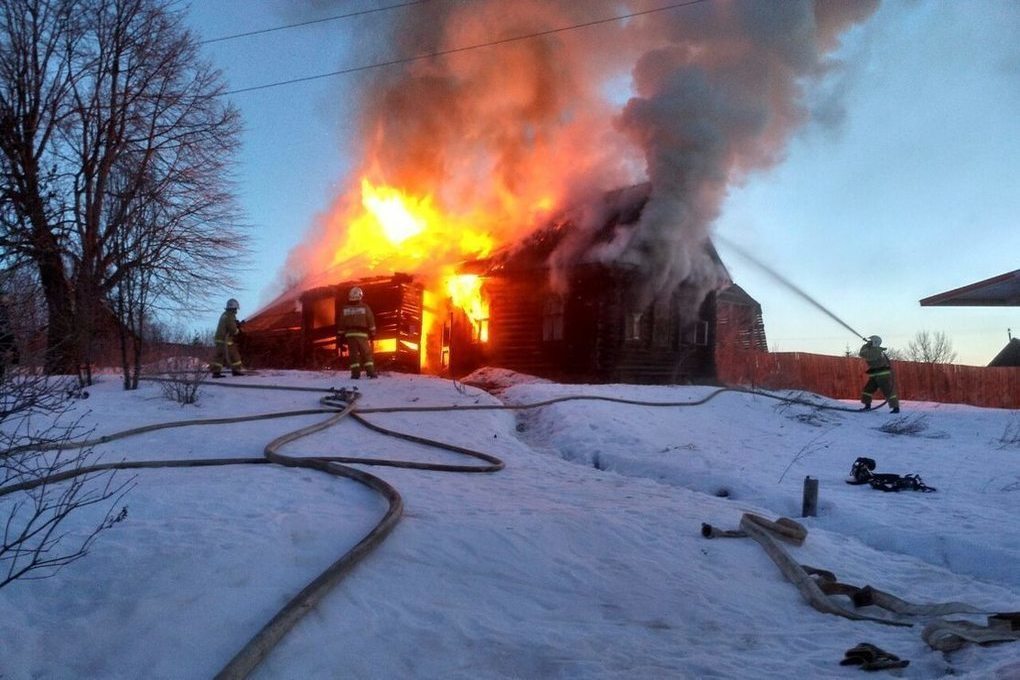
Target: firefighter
(880, 374)
(226, 342)
(357, 328)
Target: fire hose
(339, 404)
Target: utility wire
(466, 48)
(310, 22)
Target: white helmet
(875, 341)
(355, 295)
(233, 304)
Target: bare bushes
(911, 426)
(45, 478)
(905, 425)
(181, 377)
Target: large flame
(394, 230)
(469, 151)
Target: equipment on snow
(872, 658)
(862, 472)
(344, 394)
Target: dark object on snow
(872, 658)
(861, 472)
(809, 506)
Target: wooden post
(810, 506)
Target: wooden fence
(843, 377)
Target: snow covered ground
(583, 558)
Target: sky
(582, 558)
(900, 185)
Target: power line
(312, 21)
(466, 48)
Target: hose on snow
(339, 405)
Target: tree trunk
(61, 355)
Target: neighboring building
(998, 291)
(1009, 356)
(587, 329)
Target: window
(322, 311)
(632, 332)
(552, 319)
(697, 334)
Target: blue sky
(909, 189)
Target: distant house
(1009, 356)
(999, 291)
(588, 328)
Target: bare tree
(896, 354)
(34, 76)
(117, 145)
(931, 348)
(36, 449)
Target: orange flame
(396, 231)
(466, 293)
(393, 230)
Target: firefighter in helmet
(357, 328)
(880, 374)
(226, 342)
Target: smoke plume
(689, 99)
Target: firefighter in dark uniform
(226, 343)
(357, 328)
(880, 374)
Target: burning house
(300, 331)
(551, 306)
(463, 168)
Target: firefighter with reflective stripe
(226, 342)
(880, 374)
(357, 328)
